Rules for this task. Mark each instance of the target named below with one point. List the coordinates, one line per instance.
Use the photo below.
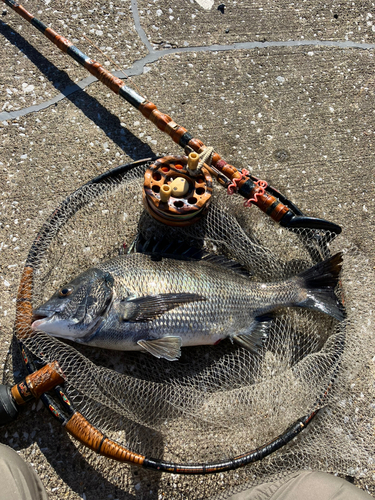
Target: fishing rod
(191, 200)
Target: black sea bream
(136, 302)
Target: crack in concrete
(139, 66)
(137, 23)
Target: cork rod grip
(91, 437)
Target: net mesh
(219, 401)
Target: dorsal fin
(230, 264)
(162, 248)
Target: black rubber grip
(8, 408)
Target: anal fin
(255, 335)
(167, 347)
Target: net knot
(260, 187)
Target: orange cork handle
(266, 202)
(37, 383)
(272, 206)
(91, 437)
(24, 308)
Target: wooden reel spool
(174, 196)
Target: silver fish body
(137, 302)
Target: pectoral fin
(167, 347)
(253, 338)
(152, 306)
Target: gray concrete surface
(224, 78)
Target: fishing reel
(177, 190)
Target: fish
(158, 304)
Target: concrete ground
(283, 89)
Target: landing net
(218, 401)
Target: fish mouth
(40, 319)
(46, 323)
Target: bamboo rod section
(164, 122)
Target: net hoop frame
(57, 402)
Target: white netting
(219, 401)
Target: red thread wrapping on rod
(233, 188)
(261, 185)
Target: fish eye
(65, 291)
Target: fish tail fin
(319, 283)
